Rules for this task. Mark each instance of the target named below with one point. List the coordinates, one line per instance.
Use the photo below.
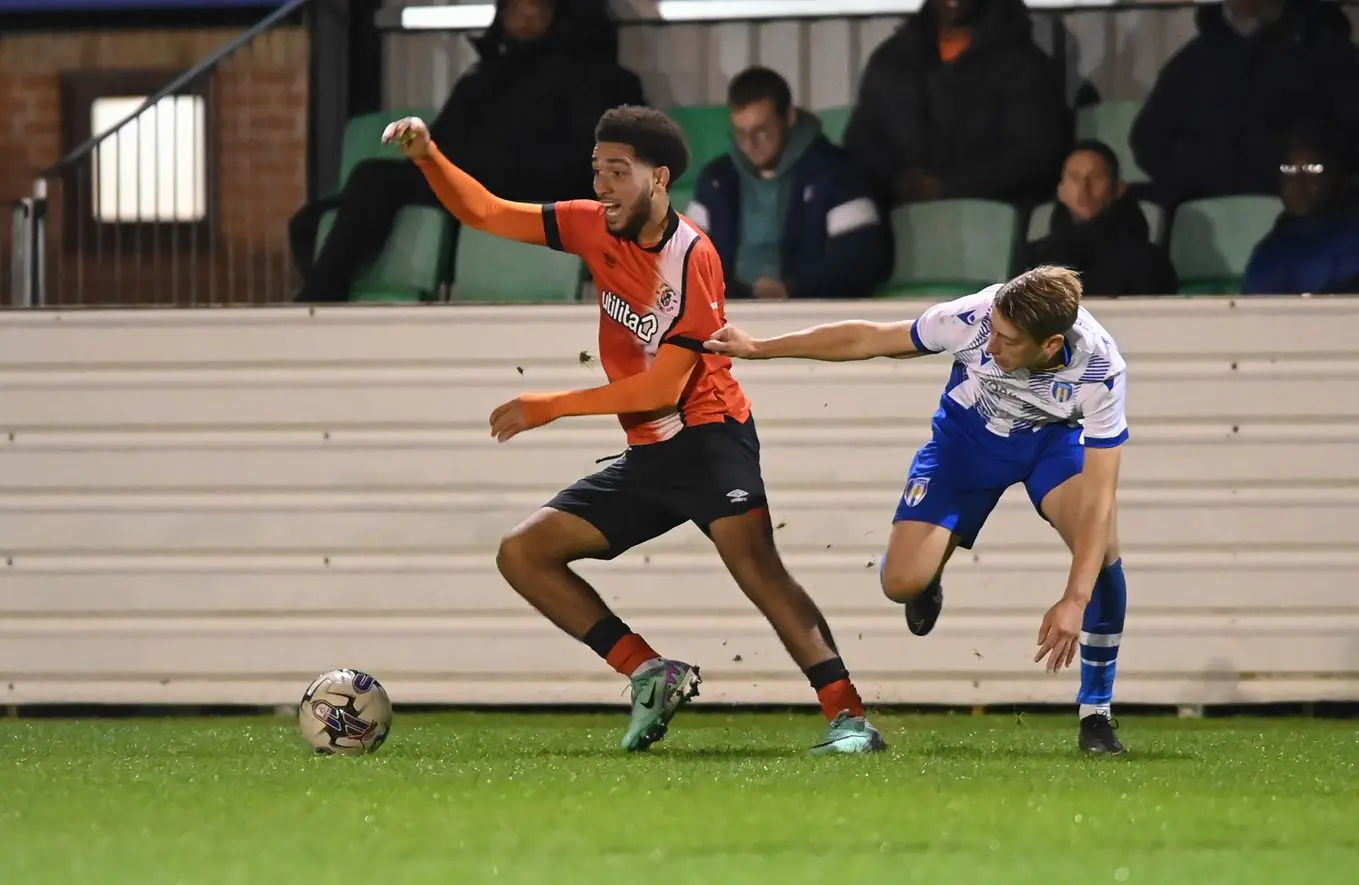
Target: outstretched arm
(832, 342)
(463, 195)
(659, 387)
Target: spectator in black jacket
(1099, 230)
(960, 102)
(790, 214)
(1215, 122)
(521, 122)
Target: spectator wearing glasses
(789, 212)
(1314, 246)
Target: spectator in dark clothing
(521, 122)
(1099, 230)
(1215, 121)
(960, 102)
(790, 214)
(1314, 246)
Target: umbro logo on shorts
(737, 496)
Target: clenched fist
(411, 134)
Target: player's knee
(906, 582)
(517, 552)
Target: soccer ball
(345, 713)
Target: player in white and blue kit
(1036, 396)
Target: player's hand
(410, 134)
(731, 341)
(1060, 634)
(524, 412)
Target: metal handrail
(475, 15)
(206, 65)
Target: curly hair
(656, 139)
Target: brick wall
(260, 114)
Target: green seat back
(951, 247)
(1111, 122)
(707, 128)
(1211, 240)
(834, 121)
(494, 269)
(414, 261)
(1040, 221)
(363, 138)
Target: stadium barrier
(212, 506)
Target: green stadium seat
(1111, 122)
(1040, 221)
(414, 262)
(834, 121)
(951, 247)
(708, 131)
(494, 269)
(1211, 241)
(363, 138)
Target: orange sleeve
(478, 208)
(658, 387)
(703, 302)
(574, 226)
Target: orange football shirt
(670, 293)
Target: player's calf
(535, 559)
(746, 544)
(909, 571)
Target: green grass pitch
(727, 798)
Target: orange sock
(629, 653)
(840, 695)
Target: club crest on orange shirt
(667, 301)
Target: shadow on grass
(969, 752)
(671, 752)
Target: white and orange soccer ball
(345, 713)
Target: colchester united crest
(1062, 390)
(916, 488)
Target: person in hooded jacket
(1215, 121)
(521, 121)
(790, 214)
(960, 102)
(1098, 230)
(1314, 246)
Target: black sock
(827, 672)
(602, 637)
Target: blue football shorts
(955, 481)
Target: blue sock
(1101, 634)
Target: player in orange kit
(693, 454)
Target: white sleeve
(1105, 423)
(953, 325)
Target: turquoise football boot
(657, 695)
(850, 734)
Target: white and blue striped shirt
(1089, 389)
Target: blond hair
(1043, 301)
